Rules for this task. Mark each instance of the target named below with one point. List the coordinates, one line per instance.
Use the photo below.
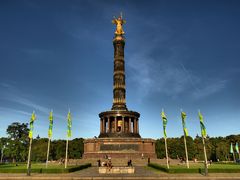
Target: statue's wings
(124, 21)
(113, 21)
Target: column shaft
(104, 125)
(108, 119)
(123, 124)
(101, 125)
(129, 125)
(135, 125)
(115, 120)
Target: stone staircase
(121, 161)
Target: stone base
(116, 170)
(119, 135)
(119, 148)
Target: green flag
(183, 114)
(231, 148)
(33, 118)
(164, 119)
(50, 125)
(203, 129)
(69, 130)
(236, 147)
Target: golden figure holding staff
(119, 22)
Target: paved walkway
(140, 173)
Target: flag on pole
(183, 114)
(236, 147)
(30, 135)
(203, 129)
(231, 148)
(69, 130)
(50, 125)
(33, 118)
(164, 119)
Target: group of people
(129, 163)
(108, 163)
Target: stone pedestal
(119, 148)
(116, 170)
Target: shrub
(215, 168)
(22, 169)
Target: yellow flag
(33, 118)
(69, 129)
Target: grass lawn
(198, 168)
(40, 168)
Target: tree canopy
(218, 148)
(16, 146)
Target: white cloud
(168, 76)
(4, 109)
(152, 75)
(29, 103)
(34, 106)
(11, 94)
(209, 88)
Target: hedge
(174, 169)
(211, 169)
(43, 170)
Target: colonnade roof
(119, 113)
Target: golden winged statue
(119, 22)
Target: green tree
(18, 141)
(191, 148)
(58, 149)
(199, 148)
(160, 148)
(39, 149)
(76, 148)
(222, 151)
(175, 148)
(3, 144)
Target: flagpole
(186, 151)
(185, 144)
(204, 150)
(237, 150)
(205, 156)
(69, 134)
(49, 135)
(29, 158)
(49, 140)
(166, 152)
(66, 157)
(234, 159)
(33, 117)
(165, 139)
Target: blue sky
(179, 54)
